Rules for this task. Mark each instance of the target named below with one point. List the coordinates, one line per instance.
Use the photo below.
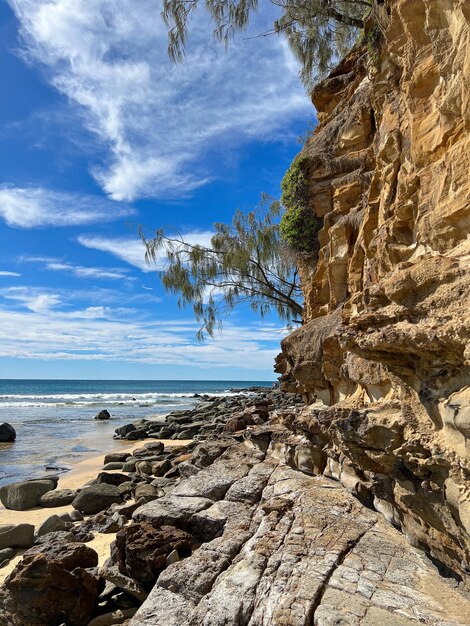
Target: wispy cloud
(6, 273)
(79, 271)
(32, 207)
(45, 326)
(132, 250)
(37, 302)
(156, 119)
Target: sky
(100, 132)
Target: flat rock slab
(171, 510)
(292, 550)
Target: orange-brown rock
(50, 586)
(383, 356)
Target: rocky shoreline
(243, 525)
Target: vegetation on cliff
(245, 263)
(299, 225)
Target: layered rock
(383, 356)
(286, 548)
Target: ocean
(54, 419)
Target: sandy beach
(79, 474)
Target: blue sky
(99, 132)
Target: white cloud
(101, 333)
(132, 250)
(37, 302)
(79, 271)
(158, 120)
(12, 274)
(36, 206)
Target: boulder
(129, 465)
(24, 495)
(138, 433)
(111, 479)
(53, 524)
(7, 433)
(116, 457)
(141, 551)
(103, 415)
(51, 583)
(160, 468)
(239, 421)
(157, 447)
(146, 491)
(143, 467)
(122, 431)
(55, 537)
(103, 522)
(16, 536)
(114, 465)
(58, 497)
(96, 498)
(6, 555)
(126, 488)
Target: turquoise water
(54, 421)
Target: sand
(80, 473)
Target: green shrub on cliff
(299, 225)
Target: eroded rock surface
(287, 548)
(383, 358)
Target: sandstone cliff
(383, 358)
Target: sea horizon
(54, 418)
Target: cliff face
(383, 358)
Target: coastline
(79, 474)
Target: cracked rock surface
(279, 547)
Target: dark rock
(238, 422)
(52, 524)
(114, 465)
(157, 447)
(116, 457)
(76, 516)
(7, 554)
(59, 536)
(126, 488)
(138, 433)
(103, 522)
(96, 498)
(111, 479)
(122, 431)
(58, 497)
(160, 468)
(144, 467)
(51, 583)
(128, 509)
(24, 495)
(7, 433)
(103, 415)
(16, 536)
(129, 465)
(146, 491)
(140, 550)
(53, 478)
